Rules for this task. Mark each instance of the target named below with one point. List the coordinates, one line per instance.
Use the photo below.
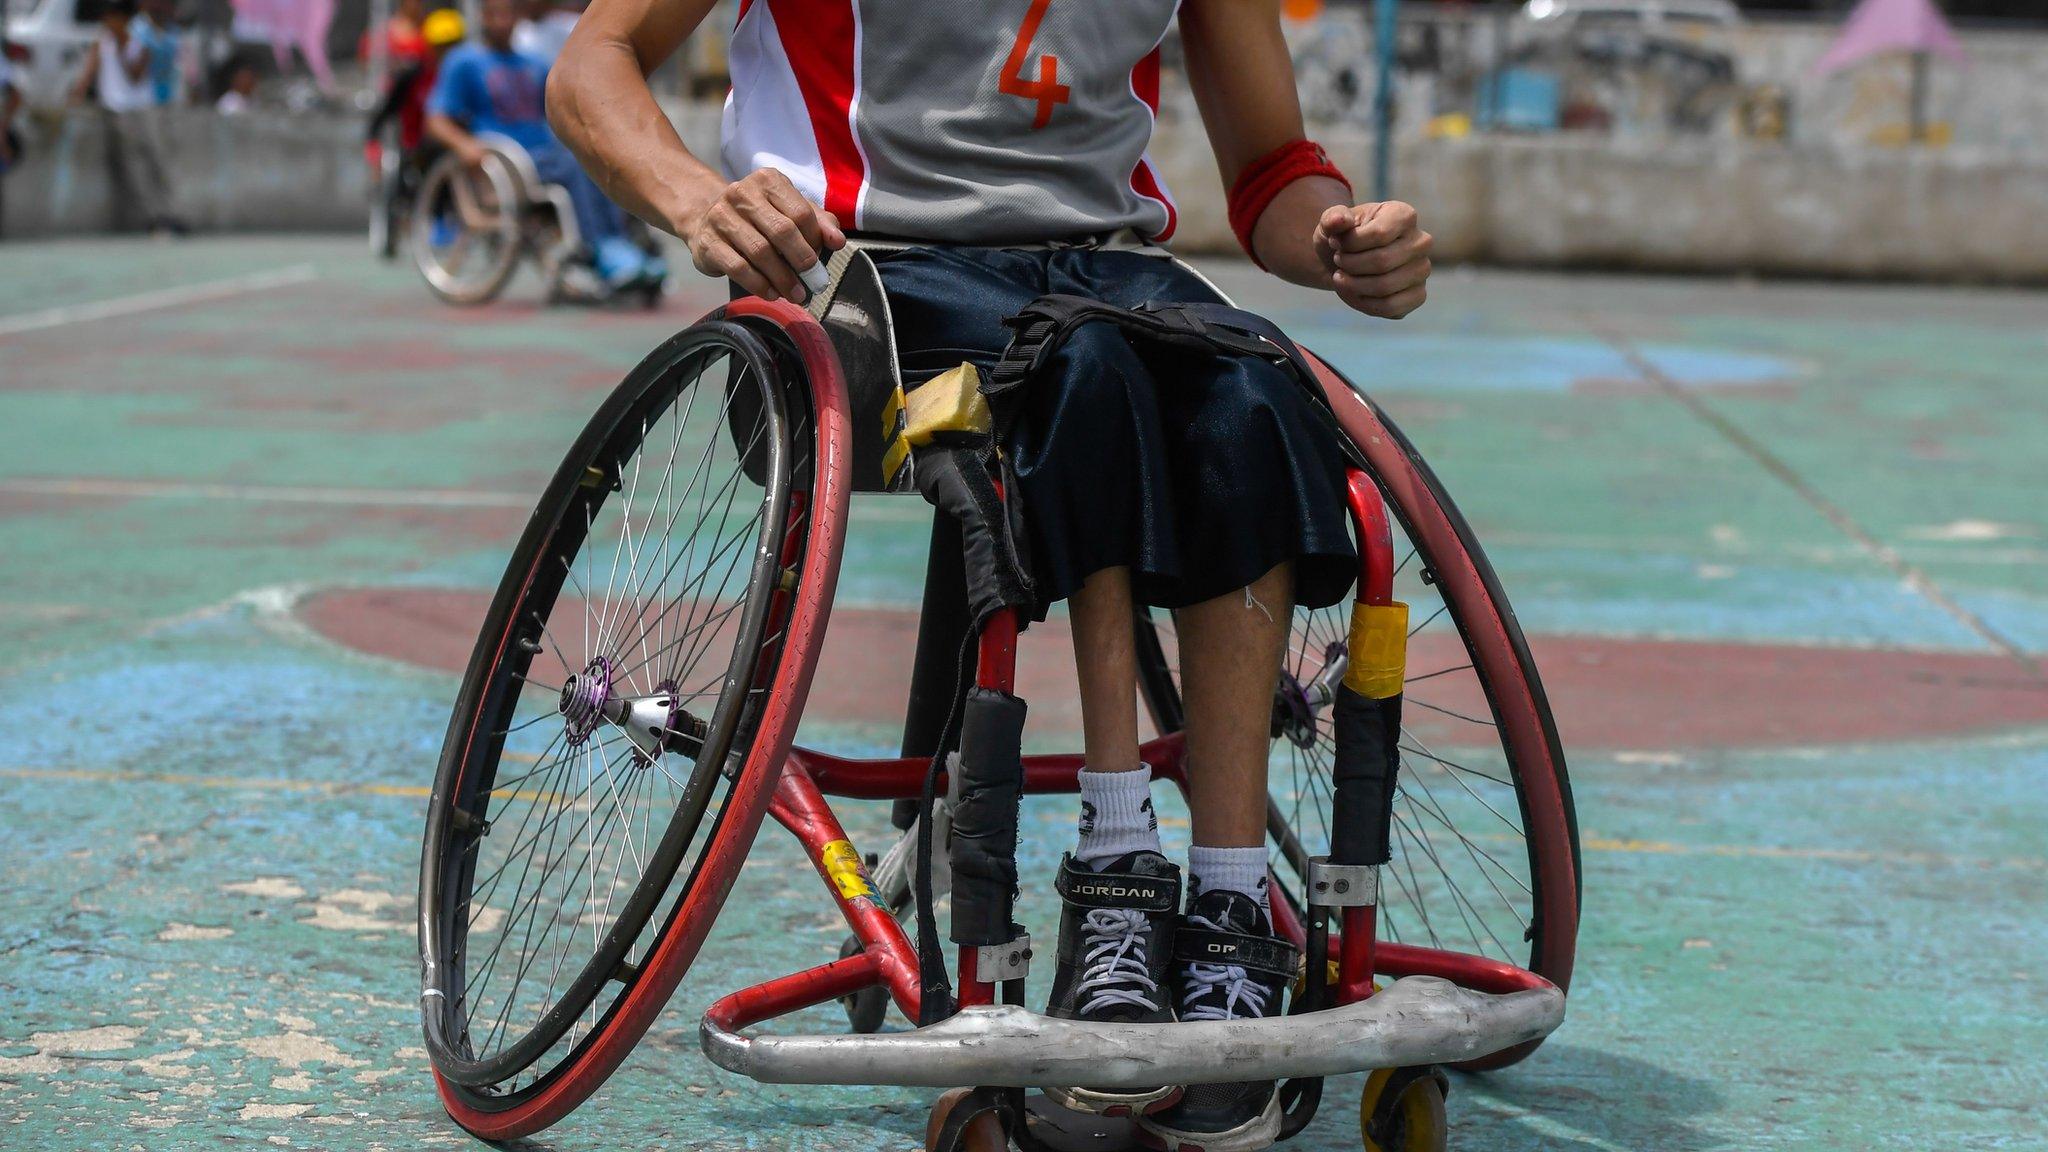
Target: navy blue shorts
(1198, 471)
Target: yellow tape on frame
(1378, 650)
(843, 867)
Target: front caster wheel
(1402, 1110)
(869, 1007)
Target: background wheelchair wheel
(467, 228)
(1485, 841)
(612, 746)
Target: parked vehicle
(48, 46)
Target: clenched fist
(1377, 256)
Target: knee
(1237, 402)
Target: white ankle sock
(1240, 870)
(1116, 815)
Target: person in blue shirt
(158, 29)
(489, 87)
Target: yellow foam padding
(895, 448)
(1378, 656)
(951, 402)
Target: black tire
(518, 1057)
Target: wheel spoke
(665, 566)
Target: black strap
(1044, 324)
(1258, 953)
(935, 989)
(1117, 890)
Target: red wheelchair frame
(794, 784)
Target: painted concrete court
(1780, 548)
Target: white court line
(264, 494)
(152, 301)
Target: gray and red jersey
(974, 123)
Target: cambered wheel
(1485, 842)
(466, 228)
(615, 738)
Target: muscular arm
(1374, 256)
(758, 230)
(599, 104)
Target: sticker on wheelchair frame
(843, 867)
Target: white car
(49, 45)
(1543, 20)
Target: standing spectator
(10, 103)
(545, 28)
(158, 30)
(117, 70)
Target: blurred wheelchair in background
(469, 230)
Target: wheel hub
(583, 700)
(1296, 704)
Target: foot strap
(1262, 954)
(1116, 890)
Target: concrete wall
(1726, 206)
(1686, 206)
(259, 172)
(1675, 205)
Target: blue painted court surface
(1780, 549)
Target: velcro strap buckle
(1117, 890)
(1258, 953)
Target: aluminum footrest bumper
(1414, 1021)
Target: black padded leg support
(984, 848)
(942, 624)
(1367, 759)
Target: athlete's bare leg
(1230, 651)
(1105, 663)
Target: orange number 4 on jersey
(1046, 89)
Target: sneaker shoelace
(1201, 1002)
(1114, 971)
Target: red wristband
(1263, 179)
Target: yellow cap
(443, 27)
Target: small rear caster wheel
(1402, 1110)
(984, 1133)
(867, 1008)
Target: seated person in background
(241, 93)
(406, 100)
(489, 87)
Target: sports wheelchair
(627, 720)
(470, 228)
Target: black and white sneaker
(1116, 939)
(1226, 966)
